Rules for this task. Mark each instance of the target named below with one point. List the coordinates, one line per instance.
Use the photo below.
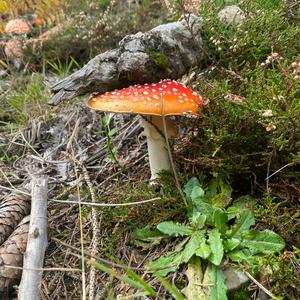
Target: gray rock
(231, 14)
(234, 279)
(166, 51)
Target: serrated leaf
(190, 185)
(194, 290)
(244, 222)
(216, 246)
(265, 241)
(174, 229)
(220, 220)
(167, 263)
(218, 288)
(192, 245)
(204, 250)
(231, 244)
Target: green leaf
(218, 288)
(195, 289)
(242, 203)
(265, 241)
(174, 229)
(244, 222)
(141, 281)
(231, 244)
(147, 237)
(112, 132)
(198, 220)
(138, 284)
(242, 256)
(216, 246)
(147, 234)
(169, 287)
(167, 263)
(204, 250)
(192, 245)
(220, 220)
(207, 210)
(197, 194)
(190, 185)
(223, 198)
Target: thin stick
(287, 165)
(14, 190)
(37, 241)
(107, 204)
(260, 285)
(44, 269)
(81, 236)
(96, 231)
(170, 153)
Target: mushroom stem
(157, 148)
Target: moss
(241, 295)
(160, 60)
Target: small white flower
(270, 128)
(267, 113)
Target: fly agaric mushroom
(155, 101)
(14, 52)
(17, 26)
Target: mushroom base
(157, 148)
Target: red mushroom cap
(167, 97)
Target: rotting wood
(166, 51)
(37, 241)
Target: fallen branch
(166, 51)
(37, 241)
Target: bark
(37, 241)
(166, 51)
(13, 209)
(11, 255)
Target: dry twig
(37, 241)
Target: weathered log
(13, 208)
(37, 241)
(11, 257)
(166, 51)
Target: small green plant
(215, 232)
(109, 133)
(62, 69)
(134, 280)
